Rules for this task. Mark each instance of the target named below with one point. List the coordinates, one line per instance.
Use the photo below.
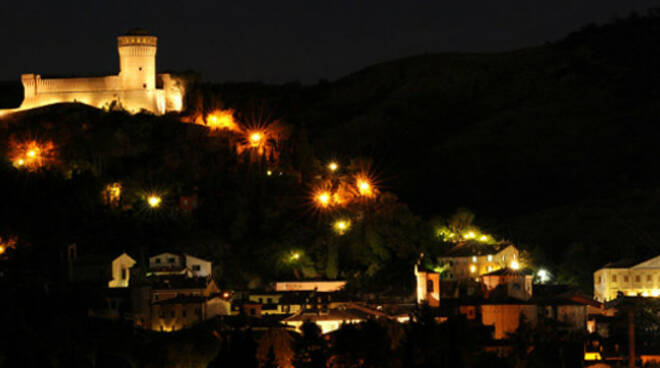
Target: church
(137, 87)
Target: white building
(471, 259)
(629, 278)
(169, 263)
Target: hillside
(550, 146)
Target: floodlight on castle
(136, 88)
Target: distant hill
(550, 145)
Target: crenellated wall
(134, 88)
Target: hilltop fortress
(136, 88)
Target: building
(330, 320)
(163, 288)
(136, 88)
(472, 259)
(310, 285)
(169, 263)
(629, 278)
(186, 311)
(107, 270)
(428, 285)
(514, 283)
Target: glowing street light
(295, 256)
(256, 139)
(323, 199)
(515, 265)
(154, 200)
(544, 275)
(333, 166)
(341, 226)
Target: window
(158, 260)
(600, 279)
(123, 274)
(183, 314)
(430, 288)
(261, 300)
(171, 260)
(196, 267)
(144, 85)
(253, 312)
(613, 278)
(649, 278)
(637, 278)
(625, 278)
(155, 296)
(269, 300)
(140, 68)
(172, 314)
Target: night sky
(279, 41)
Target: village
(191, 215)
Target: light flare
(364, 185)
(222, 119)
(154, 200)
(341, 226)
(31, 154)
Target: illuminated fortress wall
(136, 88)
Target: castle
(136, 88)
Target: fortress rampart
(134, 88)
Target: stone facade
(136, 88)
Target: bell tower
(137, 60)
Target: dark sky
(280, 40)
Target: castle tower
(137, 60)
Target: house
(107, 269)
(184, 311)
(310, 285)
(163, 288)
(169, 263)
(471, 259)
(629, 278)
(515, 283)
(285, 303)
(328, 320)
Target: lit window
(490, 258)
